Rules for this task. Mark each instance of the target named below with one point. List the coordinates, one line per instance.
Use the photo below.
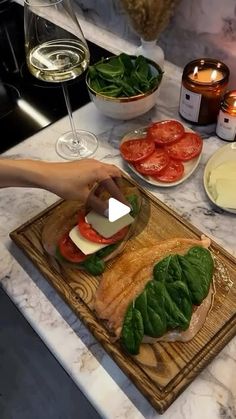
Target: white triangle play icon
(116, 209)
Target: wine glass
(56, 51)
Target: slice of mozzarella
(86, 246)
(105, 227)
(226, 193)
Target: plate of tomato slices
(165, 153)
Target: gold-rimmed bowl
(126, 107)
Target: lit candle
(226, 122)
(204, 82)
(206, 75)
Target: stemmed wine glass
(56, 51)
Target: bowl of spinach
(124, 86)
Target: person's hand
(83, 180)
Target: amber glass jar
(204, 83)
(226, 123)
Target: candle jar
(204, 82)
(226, 123)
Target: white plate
(226, 153)
(189, 166)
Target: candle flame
(213, 75)
(195, 71)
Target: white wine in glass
(56, 52)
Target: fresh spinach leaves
(123, 76)
(167, 301)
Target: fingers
(109, 179)
(103, 177)
(96, 204)
(109, 170)
(111, 186)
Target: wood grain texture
(161, 371)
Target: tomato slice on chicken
(165, 132)
(136, 150)
(172, 172)
(187, 148)
(154, 163)
(89, 233)
(69, 250)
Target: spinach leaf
(127, 63)
(94, 265)
(111, 90)
(150, 305)
(201, 257)
(92, 73)
(102, 253)
(112, 68)
(142, 67)
(132, 331)
(177, 305)
(197, 269)
(179, 293)
(168, 269)
(133, 200)
(123, 84)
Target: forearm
(69, 180)
(24, 173)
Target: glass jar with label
(204, 82)
(226, 123)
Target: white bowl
(126, 107)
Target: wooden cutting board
(161, 371)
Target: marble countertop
(105, 385)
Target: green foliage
(122, 76)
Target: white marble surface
(213, 392)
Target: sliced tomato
(165, 132)
(188, 147)
(69, 250)
(137, 150)
(172, 172)
(154, 163)
(89, 233)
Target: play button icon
(117, 210)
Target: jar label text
(189, 105)
(226, 126)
